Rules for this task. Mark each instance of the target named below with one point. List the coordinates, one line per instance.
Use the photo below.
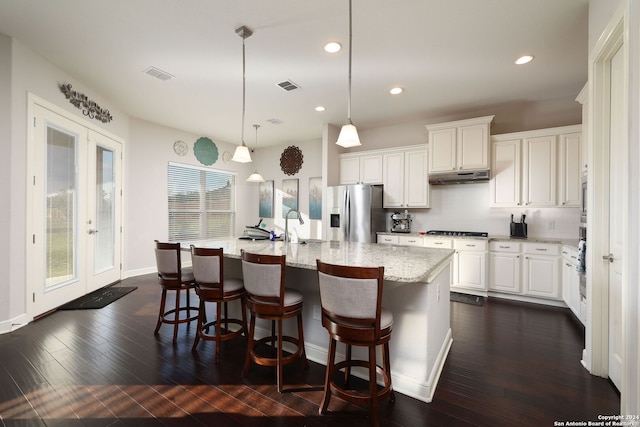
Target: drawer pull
(541, 249)
(504, 247)
(470, 246)
(438, 243)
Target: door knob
(608, 257)
(90, 231)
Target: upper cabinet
(361, 168)
(460, 145)
(540, 168)
(406, 182)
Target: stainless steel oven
(582, 260)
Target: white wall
(267, 162)
(146, 215)
(30, 73)
(465, 207)
(5, 168)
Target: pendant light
(255, 176)
(242, 154)
(349, 134)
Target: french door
(75, 195)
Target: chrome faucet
(286, 224)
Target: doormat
(98, 299)
(467, 299)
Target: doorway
(74, 193)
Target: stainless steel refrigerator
(355, 212)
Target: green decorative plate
(205, 151)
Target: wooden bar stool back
(172, 277)
(352, 313)
(267, 298)
(212, 286)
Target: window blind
(201, 203)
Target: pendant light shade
(242, 154)
(349, 134)
(255, 176)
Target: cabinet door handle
(608, 257)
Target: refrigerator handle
(347, 216)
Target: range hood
(459, 177)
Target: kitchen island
(416, 290)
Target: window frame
(204, 211)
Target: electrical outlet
(552, 225)
(438, 292)
(316, 312)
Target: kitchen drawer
(570, 254)
(411, 240)
(513, 247)
(385, 239)
(541, 249)
(470, 245)
(435, 242)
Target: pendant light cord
(349, 97)
(244, 80)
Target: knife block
(519, 229)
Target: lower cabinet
(470, 264)
(571, 282)
(528, 269)
(504, 267)
(541, 270)
(386, 239)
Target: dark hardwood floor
(511, 364)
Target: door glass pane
(61, 190)
(105, 213)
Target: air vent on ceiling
(288, 85)
(158, 73)
(275, 121)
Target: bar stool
(172, 277)
(352, 313)
(267, 298)
(211, 286)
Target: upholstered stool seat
(213, 287)
(352, 313)
(267, 298)
(172, 277)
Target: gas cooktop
(457, 233)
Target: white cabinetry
(410, 240)
(470, 264)
(536, 168)
(541, 270)
(504, 267)
(438, 242)
(386, 239)
(460, 145)
(359, 168)
(570, 169)
(571, 281)
(405, 180)
(539, 171)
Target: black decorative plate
(291, 160)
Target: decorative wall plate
(181, 148)
(291, 160)
(227, 156)
(205, 151)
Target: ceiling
(448, 55)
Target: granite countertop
(401, 263)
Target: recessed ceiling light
(524, 59)
(332, 47)
(396, 90)
(319, 108)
